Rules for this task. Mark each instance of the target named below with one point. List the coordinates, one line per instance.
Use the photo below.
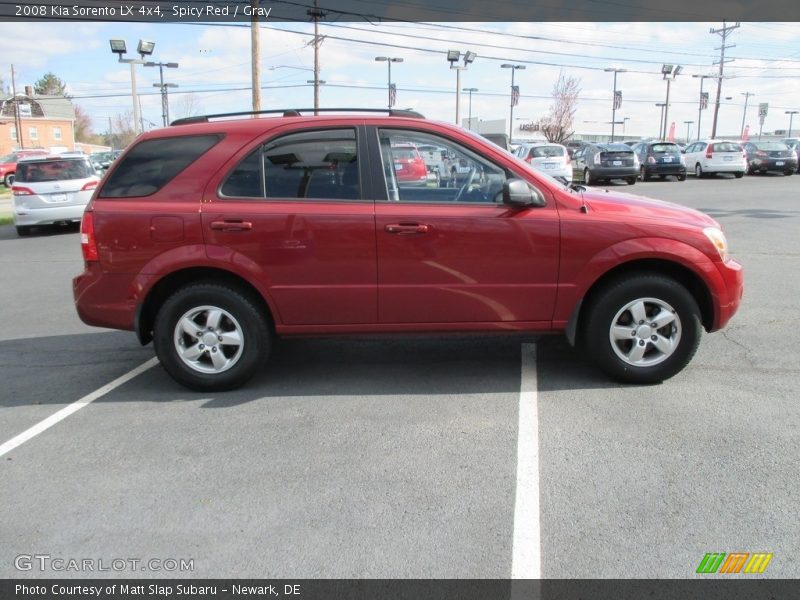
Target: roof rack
(297, 112)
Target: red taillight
(88, 241)
(651, 160)
(18, 190)
(89, 186)
(528, 160)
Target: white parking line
(73, 408)
(526, 562)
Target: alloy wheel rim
(208, 339)
(645, 332)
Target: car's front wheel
(698, 171)
(631, 180)
(8, 180)
(211, 337)
(682, 177)
(24, 230)
(587, 177)
(642, 328)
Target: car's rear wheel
(642, 175)
(642, 328)
(787, 173)
(24, 230)
(211, 337)
(682, 177)
(739, 174)
(698, 171)
(631, 180)
(8, 180)
(587, 177)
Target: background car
(603, 162)
(552, 159)
(708, 157)
(8, 164)
(52, 190)
(794, 144)
(660, 159)
(573, 146)
(770, 156)
(409, 166)
(102, 160)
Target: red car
(409, 166)
(8, 164)
(210, 237)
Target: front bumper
(729, 297)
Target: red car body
(409, 166)
(322, 267)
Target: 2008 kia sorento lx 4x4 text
(214, 235)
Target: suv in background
(660, 159)
(52, 190)
(213, 236)
(8, 164)
(594, 163)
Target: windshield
(771, 146)
(547, 151)
(8, 158)
(672, 148)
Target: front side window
(152, 164)
(455, 175)
(319, 165)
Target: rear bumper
(614, 172)
(665, 169)
(771, 164)
(105, 299)
(45, 216)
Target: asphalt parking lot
(399, 458)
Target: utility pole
(316, 14)
(744, 114)
(17, 122)
(255, 57)
(724, 33)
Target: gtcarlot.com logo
(735, 562)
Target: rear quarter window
(152, 164)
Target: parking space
(398, 458)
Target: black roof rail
(298, 112)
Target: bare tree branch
(557, 126)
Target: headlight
(717, 238)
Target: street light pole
(163, 86)
(470, 90)
(453, 57)
(389, 60)
(687, 123)
(511, 116)
(700, 103)
(661, 118)
(744, 114)
(145, 48)
(614, 99)
(669, 74)
(791, 114)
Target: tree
(83, 126)
(557, 126)
(187, 106)
(123, 133)
(50, 85)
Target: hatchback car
(660, 159)
(409, 166)
(594, 163)
(213, 236)
(763, 157)
(8, 164)
(52, 190)
(552, 159)
(709, 157)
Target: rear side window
(320, 165)
(152, 164)
(53, 170)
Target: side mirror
(519, 194)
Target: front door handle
(231, 225)
(407, 228)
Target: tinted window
(53, 170)
(771, 146)
(547, 151)
(666, 149)
(247, 179)
(726, 147)
(152, 164)
(616, 147)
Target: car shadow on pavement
(61, 369)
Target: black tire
(698, 171)
(24, 230)
(788, 173)
(587, 177)
(682, 177)
(8, 180)
(739, 174)
(254, 328)
(607, 309)
(631, 180)
(642, 174)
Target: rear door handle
(407, 228)
(231, 225)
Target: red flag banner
(746, 134)
(671, 136)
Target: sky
(214, 71)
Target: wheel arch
(167, 285)
(645, 266)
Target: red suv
(212, 236)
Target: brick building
(43, 122)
